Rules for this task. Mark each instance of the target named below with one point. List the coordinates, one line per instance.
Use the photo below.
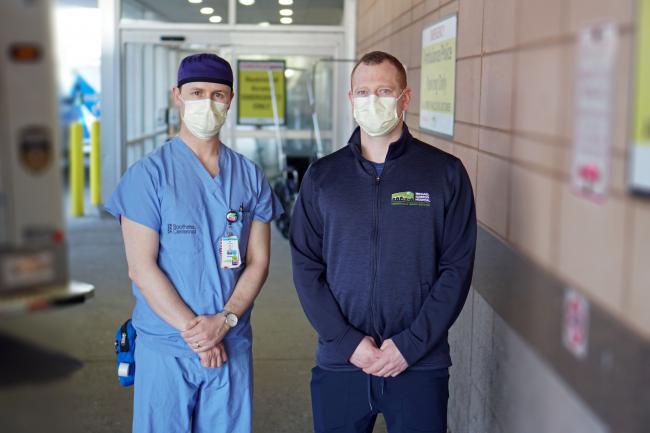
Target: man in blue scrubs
(195, 219)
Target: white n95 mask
(376, 115)
(204, 117)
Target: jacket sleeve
(449, 292)
(338, 337)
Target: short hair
(377, 58)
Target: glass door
(271, 145)
(150, 60)
(148, 115)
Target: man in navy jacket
(383, 237)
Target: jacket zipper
(375, 263)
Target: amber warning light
(25, 52)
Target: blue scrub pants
(349, 401)
(178, 395)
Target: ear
(406, 98)
(350, 97)
(177, 97)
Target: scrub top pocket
(186, 243)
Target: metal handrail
(144, 137)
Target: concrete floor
(57, 368)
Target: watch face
(231, 320)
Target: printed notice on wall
(261, 93)
(437, 85)
(640, 149)
(594, 110)
(575, 329)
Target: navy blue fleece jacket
(389, 256)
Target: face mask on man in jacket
(377, 115)
(380, 98)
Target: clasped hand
(385, 361)
(204, 335)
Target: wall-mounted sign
(438, 77)
(261, 93)
(575, 329)
(594, 110)
(639, 171)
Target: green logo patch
(409, 198)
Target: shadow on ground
(25, 363)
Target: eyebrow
(378, 88)
(192, 89)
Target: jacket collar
(395, 149)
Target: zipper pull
(377, 180)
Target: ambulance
(33, 245)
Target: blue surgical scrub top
(171, 192)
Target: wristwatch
(231, 318)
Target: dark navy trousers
(349, 401)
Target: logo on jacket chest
(410, 198)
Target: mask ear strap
(398, 98)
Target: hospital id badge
(229, 252)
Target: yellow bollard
(76, 169)
(95, 164)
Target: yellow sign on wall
(438, 79)
(640, 154)
(261, 93)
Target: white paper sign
(594, 110)
(575, 330)
(438, 77)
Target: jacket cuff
(408, 345)
(340, 350)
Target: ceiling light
(288, 73)
(285, 2)
(195, 1)
(216, 19)
(286, 12)
(207, 11)
(286, 20)
(264, 24)
(247, 2)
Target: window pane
(176, 11)
(301, 12)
